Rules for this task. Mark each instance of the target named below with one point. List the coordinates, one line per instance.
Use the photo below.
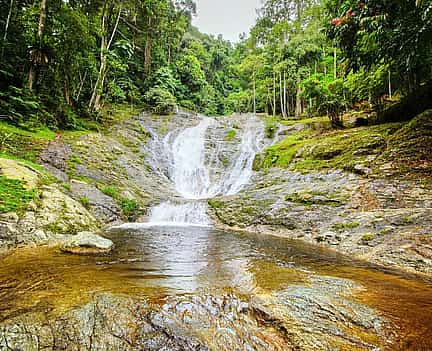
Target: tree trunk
(67, 93)
(335, 63)
(40, 31)
(148, 48)
(299, 108)
(254, 94)
(286, 107)
(95, 99)
(281, 95)
(390, 85)
(274, 94)
(7, 27)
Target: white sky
(227, 17)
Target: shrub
(161, 101)
(128, 206)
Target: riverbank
(363, 191)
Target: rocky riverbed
(351, 197)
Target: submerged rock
(321, 316)
(87, 243)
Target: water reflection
(183, 259)
(156, 262)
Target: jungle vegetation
(64, 62)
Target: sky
(227, 17)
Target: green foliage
(110, 191)
(308, 151)
(85, 201)
(398, 33)
(129, 206)
(13, 195)
(270, 127)
(230, 135)
(161, 101)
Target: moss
(66, 186)
(309, 198)
(407, 220)
(85, 201)
(282, 153)
(343, 226)
(13, 195)
(23, 144)
(117, 113)
(75, 160)
(336, 149)
(230, 135)
(28, 163)
(41, 133)
(215, 204)
(409, 150)
(367, 237)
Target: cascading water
(193, 165)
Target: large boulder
(87, 243)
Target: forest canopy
(63, 61)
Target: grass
(13, 195)
(128, 206)
(110, 191)
(41, 133)
(230, 135)
(85, 201)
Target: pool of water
(161, 262)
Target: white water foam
(184, 156)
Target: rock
(103, 207)
(87, 243)
(16, 170)
(360, 168)
(316, 316)
(57, 155)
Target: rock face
(386, 221)
(102, 206)
(48, 218)
(300, 318)
(87, 243)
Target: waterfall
(191, 159)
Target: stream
(194, 287)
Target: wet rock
(87, 243)
(103, 207)
(317, 316)
(339, 210)
(55, 158)
(57, 154)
